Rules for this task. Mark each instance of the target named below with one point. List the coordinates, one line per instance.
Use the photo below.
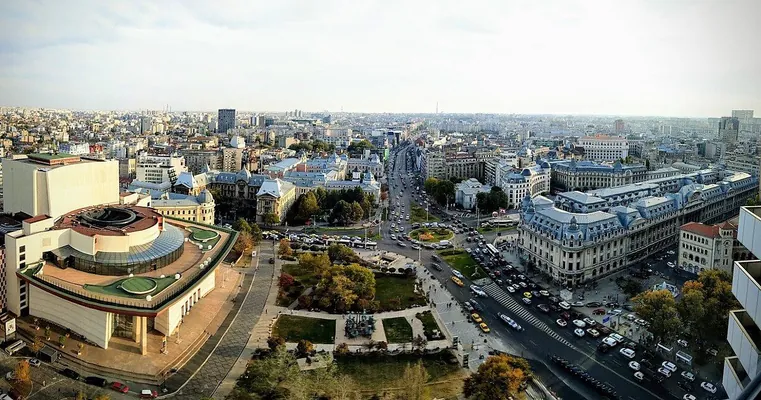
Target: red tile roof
(711, 231)
(37, 218)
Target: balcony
(734, 378)
(746, 287)
(745, 339)
(749, 230)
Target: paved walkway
(202, 374)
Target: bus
(16, 346)
(492, 250)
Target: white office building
(604, 148)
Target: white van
(15, 347)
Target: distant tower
(619, 126)
(437, 107)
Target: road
(542, 337)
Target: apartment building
(159, 169)
(604, 148)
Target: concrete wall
(166, 322)
(93, 324)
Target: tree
(704, 305)
(658, 308)
(341, 286)
(357, 212)
(691, 307)
(501, 377)
(271, 219)
(341, 214)
(304, 348)
(22, 379)
(307, 207)
(315, 263)
(339, 253)
(275, 342)
(243, 243)
(284, 249)
(102, 396)
(359, 147)
(342, 349)
(413, 382)
(285, 281)
(37, 345)
(419, 343)
(81, 395)
(241, 225)
(256, 233)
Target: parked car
(35, 362)
(148, 394)
(561, 322)
(70, 373)
(709, 387)
(634, 365)
(96, 381)
(628, 353)
(688, 375)
(578, 332)
(669, 366)
(120, 387)
(665, 372)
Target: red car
(120, 387)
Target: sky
(698, 58)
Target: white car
(688, 396)
(682, 342)
(669, 366)
(610, 341)
(561, 322)
(670, 264)
(709, 387)
(415, 247)
(35, 362)
(688, 375)
(628, 353)
(578, 332)
(511, 322)
(526, 301)
(458, 274)
(564, 305)
(593, 332)
(639, 376)
(579, 323)
(664, 372)
(510, 289)
(634, 365)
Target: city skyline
(581, 58)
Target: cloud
(639, 57)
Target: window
(22, 248)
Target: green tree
(241, 225)
(691, 308)
(308, 207)
(413, 382)
(718, 300)
(340, 287)
(275, 342)
(658, 308)
(284, 248)
(501, 377)
(271, 219)
(357, 212)
(315, 263)
(339, 253)
(256, 233)
(359, 147)
(341, 214)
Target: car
(11, 376)
(688, 396)
(458, 274)
(664, 372)
(148, 394)
(120, 387)
(578, 332)
(437, 267)
(603, 348)
(561, 322)
(510, 289)
(527, 295)
(669, 366)
(682, 342)
(577, 304)
(639, 376)
(70, 373)
(634, 365)
(565, 316)
(457, 281)
(708, 387)
(564, 305)
(522, 284)
(579, 323)
(599, 311)
(96, 381)
(544, 293)
(272, 260)
(610, 341)
(544, 308)
(688, 375)
(476, 305)
(593, 332)
(526, 301)
(401, 244)
(628, 353)
(484, 327)
(35, 362)
(510, 322)
(476, 318)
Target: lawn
(115, 288)
(437, 234)
(398, 330)
(382, 373)
(207, 239)
(391, 287)
(418, 214)
(460, 260)
(293, 328)
(429, 324)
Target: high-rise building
(742, 114)
(145, 125)
(226, 119)
(742, 371)
(729, 127)
(619, 126)
(159, 169)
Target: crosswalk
(503, 298)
